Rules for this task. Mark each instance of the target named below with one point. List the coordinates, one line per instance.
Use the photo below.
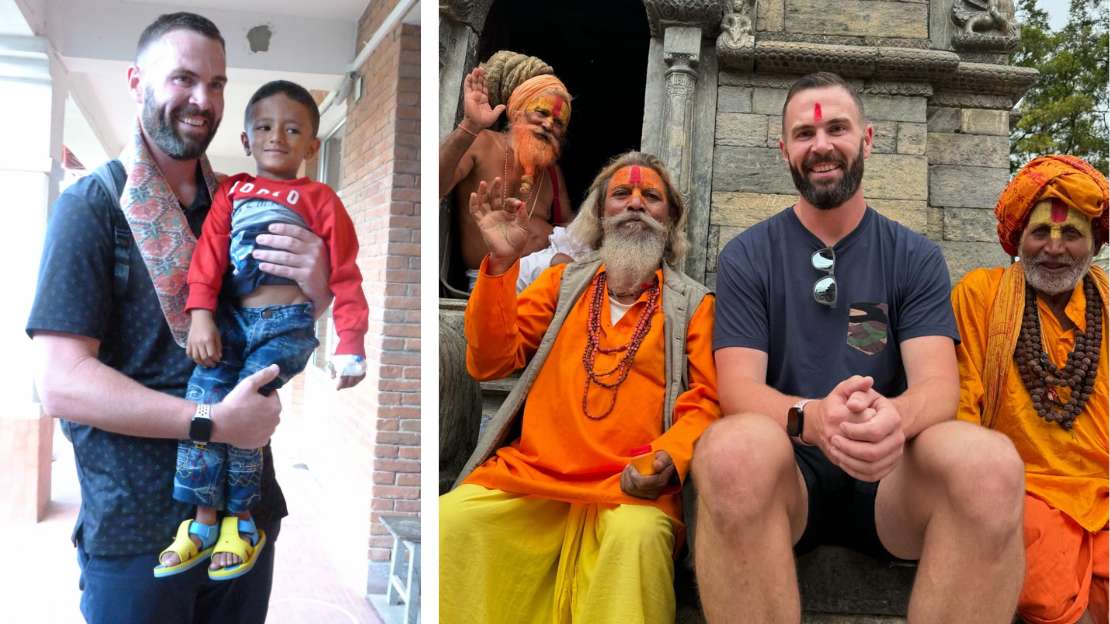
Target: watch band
(796, 422)
(200, 428)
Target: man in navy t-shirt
(834, 347)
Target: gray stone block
(894, 108)
(734, 99)
(943, 119)
(774, 130)
(741, 129)
(752, 169)
(885, 137)
(985, 121)
(976, 150)
(964, 256)
(966, 187)
(911, 138)
(895, 176)
(934, 225)
(910, 213)
(837, 580)
(862, 18)
(740, 211)
(970, 224)
(768, 101)
(769, 15)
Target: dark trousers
(123, 590)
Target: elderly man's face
(180, 85)
(639, 190)
(1056, 247)
(548, 114)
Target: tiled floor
(320, 573)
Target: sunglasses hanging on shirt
(824, 289)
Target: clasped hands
(858, 429)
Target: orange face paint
(638, 179)
(1056, 216)
(550, 104)
(817, 112)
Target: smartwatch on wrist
(200, 428)
(796, 422)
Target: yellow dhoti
(509, 558)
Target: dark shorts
(841, 509)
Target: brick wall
(376, 426)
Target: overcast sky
(1057, 12)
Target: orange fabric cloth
(1066, 178)
(1065, 568)
(1066, 469)
(531, 88)
(561, 454)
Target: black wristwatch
(200, 428)
(796, 421)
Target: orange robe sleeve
(971, 300)
(504, 330)
(696, 408)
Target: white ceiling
(312, 44)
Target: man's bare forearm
(923, 405)
(73, 384)
(748, 396)
(451, 153)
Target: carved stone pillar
(680, 106)
(681, 53)
(460, 26)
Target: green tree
(1065, 112)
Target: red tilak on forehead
(557, 107)
(816, 111)
(1059, 212)
(634, 175)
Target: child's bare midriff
(273, 294)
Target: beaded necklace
(1042, 378)
(593, 346)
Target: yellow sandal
(230, 542)
(186, 550)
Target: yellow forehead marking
(550, 103)
(1056, 217)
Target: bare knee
(986, 485)
(739, 465)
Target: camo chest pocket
(867, 327)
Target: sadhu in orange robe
(1065, 471)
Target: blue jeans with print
(253, 338)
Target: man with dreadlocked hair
(524, 156)
(569, 509)
(1033, 366)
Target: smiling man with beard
(838, 380)
(524, 157)
(109, 327)
(569, 509)
(1033, 361)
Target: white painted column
(30, 169)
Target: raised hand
(504, 227)
(477, 113)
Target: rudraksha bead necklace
(1042, 378)
(593, 346)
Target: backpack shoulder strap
(106, 175)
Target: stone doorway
(604, 67)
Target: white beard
(1042, 281)
(631, 253)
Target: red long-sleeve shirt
(324, 214)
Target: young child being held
(261, 320)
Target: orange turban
(1072, 181)
(532, 87)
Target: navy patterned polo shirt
(126, 482)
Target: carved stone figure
(985, 16)
(737, 28)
